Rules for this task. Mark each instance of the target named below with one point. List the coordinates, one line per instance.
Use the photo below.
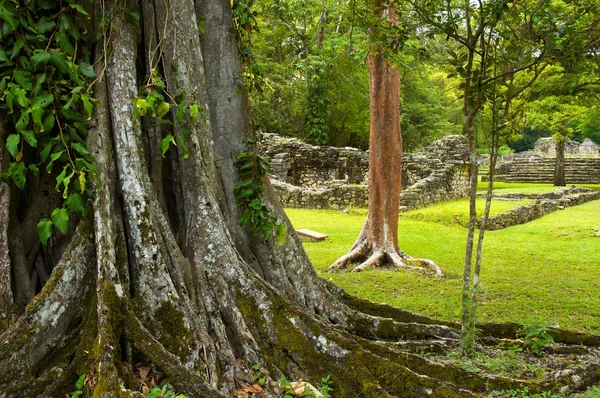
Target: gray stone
(327, 177)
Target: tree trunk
(377, 243)
(186, 288)
(559, 165)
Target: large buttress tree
(159, 269)
(377, 243)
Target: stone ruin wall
(322, 177)
(547, 146)
(582, 163)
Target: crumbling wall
(322, 177)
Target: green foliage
(245, 23)
(155, 101)
(325, 388)
(79, 386)
(252, 169)
(317, 128)
(45, 89)
(536, 336)
(165, 391)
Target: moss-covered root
(45, 336)
(187, 381)
(302, 345)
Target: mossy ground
(548, 269)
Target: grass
(548, 269)
(504, 187)
(457, 212)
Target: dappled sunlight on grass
(548, 268)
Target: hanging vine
(46, 82)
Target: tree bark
(206, 302)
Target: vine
(252, 168)
(45, 88)
(155, 101)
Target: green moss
(174, 335)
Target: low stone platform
(545, 204)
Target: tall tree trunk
(559, 164)
(204, 302)
(377, 243)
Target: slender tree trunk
(377, 243)
(559, 164)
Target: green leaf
(39, 59)
(23, 79)
(76, 203)
(23, 121)
(29, 137)
(12, 144)
(80, 148)
(181, 143)
(21, 97)
(36, 114)
(77, 394)
(60, 218)
(194, 112)
(79, 8)
(82, 181)
(60, 178)
(87, 70)
(80, 381)
(18, 173)
(281, 232)
(17, 48)
(142, 105)
(34, 169)
(44, 230)
(67, 25)
(66, 182)
(87, 105)
(45, 25)
(46, 151)
(8, 17)
(3, 57)
(165, 144)
(59, 61)
(163, 109)
(56, 155)
(48, 123)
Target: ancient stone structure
(547, 146)
(544, 204)
(582, 163)
(323, 177)
(531, 167)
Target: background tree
(377, 243)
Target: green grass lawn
(548, 269)
(504, 187)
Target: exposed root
(187, 381)
(423, 262)
(354, 255)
